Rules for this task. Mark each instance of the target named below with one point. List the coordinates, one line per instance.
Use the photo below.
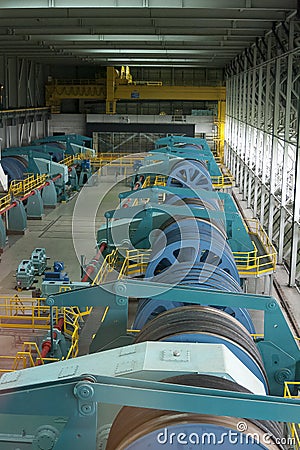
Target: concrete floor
(61, 232)
(68, 231)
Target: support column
(243, 124)
(274, 149)
(239, 125)
(265, 153)
(285, 157)
(221, 127)
(247, 137)
(296, 208)
(111, 104)
(258, 135)
(252, 124)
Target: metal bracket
(113, 331)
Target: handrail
(135, 263)
(26, 355)
(221, 181)
(30, 354)
(147, 83)
(18, 110)
(106, 267)
(11, 306)
(113, 159)
(23, 187)
(71, 329)
(76, 81)
(5, 201)
(250, 263)
(294, 428)
(68, 161)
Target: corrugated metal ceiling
(195, 33)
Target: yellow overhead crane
(120, 86)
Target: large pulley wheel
(204, 275)
(139, 428)
(191, 241)
(190, 174)
(196, 202)
(202, 320)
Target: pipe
(12, 205)
(92, 265)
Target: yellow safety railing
(71, 329)
(5, 202)
(251, 263)
(107, 267)
(287, 392)
(160, 180)
(30, 355)
(23, 187)
(72, 159)
(110, 156)
(8, 360)
(147, 182)
(222, 181)
(77, 81)
(69, 160)
(147, 83)
(135, 263)
(25, 313)
(246, 260)
(16, 305)
(293, 428)
(113, 159)
(21, 110)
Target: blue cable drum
(202, 275)
(14, 167)
(192, 174)
(207, 263)
(204, 324)
(180, 244)
(207, 204)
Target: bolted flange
(121, 288)
(45, 438)
(83, 391)
(271, 306)
(283, 375)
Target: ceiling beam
(235, 4)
